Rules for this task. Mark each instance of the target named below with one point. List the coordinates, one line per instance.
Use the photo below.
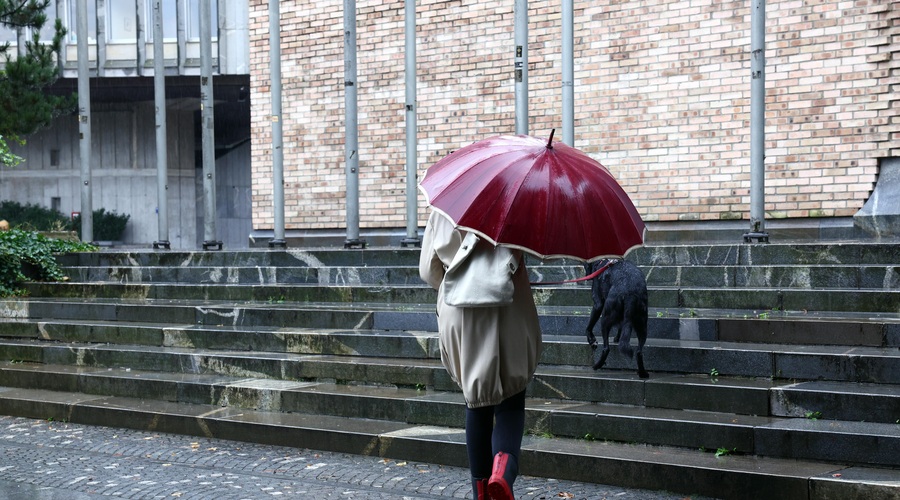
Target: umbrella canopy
(545, 198)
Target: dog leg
(641, 330)
(589, 331)
(642, 372)
(600, 362)
(605, 326)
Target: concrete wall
(123, 170)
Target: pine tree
(24, 105)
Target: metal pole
(159, 95)
(277, 129)
(84, 122)
(412, 208)
(351, 142)
(568, 73)
(757, 122)
(521, 65)
(207, 120)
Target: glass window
(169, 17)
(121, 20)
(91, 20)
(194, 19)
(8, 34)
(47, 31)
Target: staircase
(775, 369)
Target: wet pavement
(47, 460)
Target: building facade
(662, 93)
(662, 98)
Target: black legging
(484, 438)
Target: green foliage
(24, 105)
(108, 226)
(7, 158)
(814, 415)
(28, 255)
(34, 217)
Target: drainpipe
(568, 73)
(159, 96)
(412, 208)
(277, 129)
(521, 65)
(351, 139)
(757, 123)
(84, 122)
(207, 128)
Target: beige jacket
(491, 352)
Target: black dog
(620, 300)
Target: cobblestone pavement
(46, 460)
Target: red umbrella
(545, 198)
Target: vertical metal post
(277, 129)
(84, 121)
(521, 65)
(159, 96)
(21, 38)
(757, 122)
(181, 34)
(207, 127)
(568, 72)
(351, 139)
(412, 205)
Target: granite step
(764, 299)
(733, 325)
(710, 392)
(844, 441)
(878, 277)
(849, 363)
(676, 469)
(801, 253)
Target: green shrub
(33, 217)
(30, 253)
(108, 226)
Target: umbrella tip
(550, 140)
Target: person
(491, 353)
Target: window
(194, 19)
(8, 34)
(121, 20)
(72, 25)
(169, 18)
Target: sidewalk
(49, 460)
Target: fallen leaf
(565, 494)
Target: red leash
(591, 276)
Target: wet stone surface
(48, 460)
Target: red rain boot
(479, 489)
(498, 487)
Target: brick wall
(662, 91)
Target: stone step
(854, 442)
(800, 253)
(675, 469)
(654, 467)
(786, 327)
(332, 359)
(780, 361)
(877, 277)
(757, 299)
